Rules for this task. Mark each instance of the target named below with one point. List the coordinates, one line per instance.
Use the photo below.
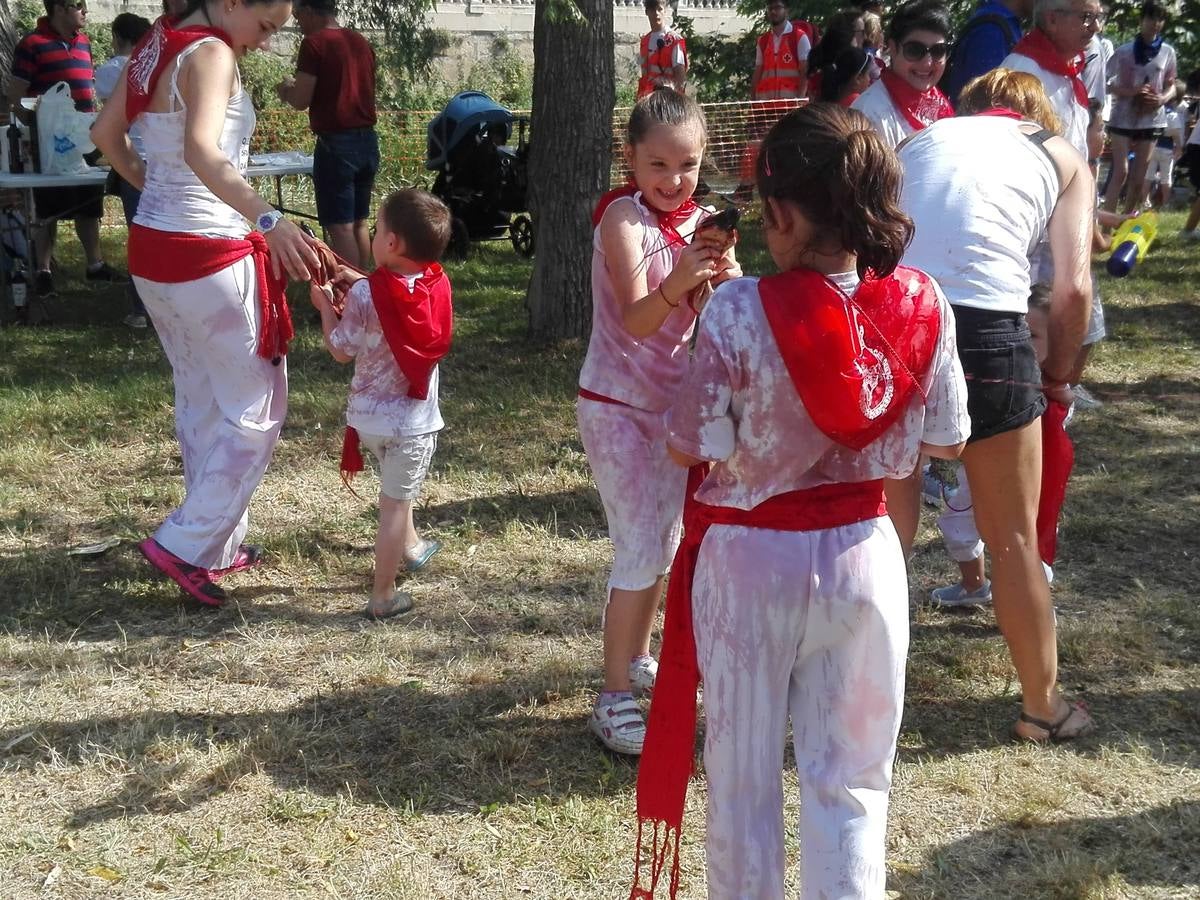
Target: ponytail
(830, 163)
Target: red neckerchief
(666, 764)
(854, 361)
(668, 222)
(1038, 47)
(417, 324)
(919, 108)
(1002, 112)
(151, 56)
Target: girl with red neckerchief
(788, 596)
(906, 98)
(213, 289)
(651, 271)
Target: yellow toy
(1131, 243)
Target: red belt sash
(170, 257)
(600, 398)
(666, 764)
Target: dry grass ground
(284, 747)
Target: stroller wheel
(520, 232)
(460, 239)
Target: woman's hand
(291, 251)
(1058, 391)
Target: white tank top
(174, 199)
(980, 194)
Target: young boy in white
(396, 327)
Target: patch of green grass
(284, 747)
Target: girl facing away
(788, 596)
(648, 285)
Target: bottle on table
(16, 164)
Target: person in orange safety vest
(662, 53)
(781, 57)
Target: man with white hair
(1054, 52)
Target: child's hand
(697, 263)
(321, 297)
(728, 267)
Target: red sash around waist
(666, 764)
(171, 257)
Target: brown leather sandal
(1057, 732)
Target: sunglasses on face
(1086, 18)
(915, 51)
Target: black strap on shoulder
(1039, 139)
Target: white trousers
(957, 522)
(229, 407)
(813, 625)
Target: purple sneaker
(247, 557)
(196, 582)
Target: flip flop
(1054, 730)
(415, 565)
(400, 604)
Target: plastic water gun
(1131, 243)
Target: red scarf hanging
(668, 222)
(171, 257)
(417, 323)
(855, 362)
(919, 108)
(666, 763)
(1058, 458)
(1036, 46)
(153, 54)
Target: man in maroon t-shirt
(335, 82)
(58, 50)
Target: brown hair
(421, 220)
(664, 106)
(830, 162)
(1018, 91)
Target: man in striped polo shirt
(58, 50)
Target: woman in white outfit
(213, 290)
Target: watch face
(266, 221)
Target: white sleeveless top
(980, 194)
(174, 199)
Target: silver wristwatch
(267, 221)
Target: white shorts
(1096, 330)
(403, 462)
(641, 488)
(1162, 166)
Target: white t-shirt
(108, 76)
(1061, 92)
(803, 45)
(379, 403)
(739, 408)
(1176, 125)
(876, 104)
(1095, 70)
(980, 194)
(1159, 73)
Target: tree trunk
(570, 154)
(8, 41)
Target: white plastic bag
(63, 133)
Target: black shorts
(1137, 134)
(1004, 380)
(69, 202)
(1191, 159)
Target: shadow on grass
(1074, 858)
(404, 746)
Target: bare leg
(1005, 473)
(44, 238)
(627, 625)
(972, 574)
(1135, 195)
(89, 235)
(1193, 218)
(362, 238)
(904, 507)
(1080, 363)
(1120, 169)
(396, 535)
(343, 242)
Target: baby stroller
(481, 178)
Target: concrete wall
(474, 26)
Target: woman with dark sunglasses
(906, 99)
